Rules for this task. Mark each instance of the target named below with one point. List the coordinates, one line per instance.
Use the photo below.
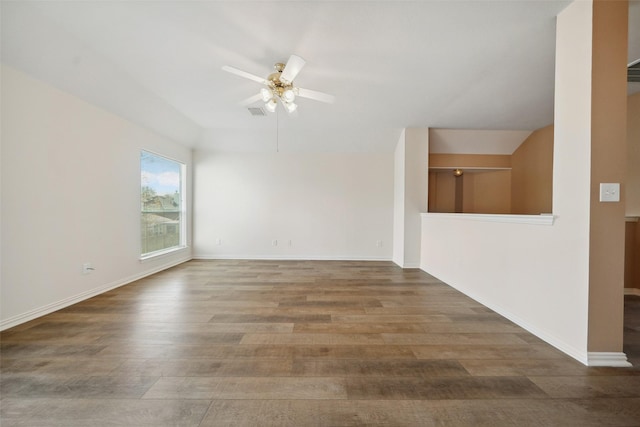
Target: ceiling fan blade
(251, 100)
(293, 67)
(244, 74)
(315, 95)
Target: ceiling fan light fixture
(266, 94)
(290, 107)
(271, 105)
(288, 95)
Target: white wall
(70, 195)
(399, 177)
(328, 205)
(535, 275)
(411, 183)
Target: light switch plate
(609, 192)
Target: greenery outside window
(162, 204)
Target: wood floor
(259, 343)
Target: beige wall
(442, 191)
(608, 164)
(491, 191)
(487, 192)
(482, 191)
(633, 156)
(532, 174)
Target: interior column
(608, 165)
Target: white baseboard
(632, 291)
(50, 308)
(293, 257)
(617, 360)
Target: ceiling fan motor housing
(277, 85)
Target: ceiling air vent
(633, 71)
(256, 111)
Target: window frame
(182, 211)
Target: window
(162, 204)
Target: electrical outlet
(274, 242)
(379, 243)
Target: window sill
(542, 219)
(162, 253)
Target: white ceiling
(390, 64)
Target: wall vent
(256, 111)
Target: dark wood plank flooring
(300, 343)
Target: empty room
(323, 213)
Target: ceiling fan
(279, 86)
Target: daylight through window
(161, 197)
